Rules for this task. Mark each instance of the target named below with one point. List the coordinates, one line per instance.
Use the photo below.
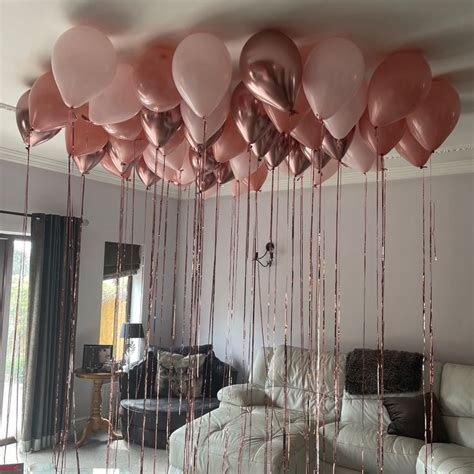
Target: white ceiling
(441, 29)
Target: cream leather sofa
(246, 433)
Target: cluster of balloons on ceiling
(172, 114)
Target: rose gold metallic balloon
(265, 142)
(223, 173)
(125, 152)
(147, 177)
(278, 151)
(160, 127)
(88, 137)
(337, 148)
(109, 166)
(85, 163)
(28, 135)
(249, 114)
(200, 163)
(270, 65)
(296, 160)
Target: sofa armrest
(242, 395)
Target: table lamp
(130, 331)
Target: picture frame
(97, 358)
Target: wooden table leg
(96, 421)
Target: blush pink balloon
(154, 79)
(173, 160)
(382, 139)
(125, 152)
(360, 155)
(160, 168)
(309, 131)
(333, 74)
(397, 87)
(270, 66)
(186, 174)
(29, 136)
(257, 178)
(342, 122)
(88, 137)
(202, 71)
(118, 101)
(85, 163)
(243, 165)
(435, 118)
(249, 114)
(230, 143)
(412, 151)
(287, 121)
(214, 121)
(128, 130)
(108, 164)
(327, 172)
(147, 177)
(84, 63)
(47, 109)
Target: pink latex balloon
(29, 136)
(239, 188)
(214, 121)
(88, 137)
(309, 131)
(160, 168)
(257, 178)
(47, 109)
(108, 164)
(397, 87)
(329, 170)
(186, 174)
(85, 163)
(243, 165)
(154, 79)
(286, 121)
(202, 71)
(249, 114)
(223, 173)
(230, 143)
(118, 101)
(173, 160)
(84, 63)
(412, 151)
(125, 152)
(360, 155)
(147, 177)
(383, 139)
(128, 130)
(333, 74)
(435, 118)
(342, 122)
(296, 159)
(270, 66)
(160, 127)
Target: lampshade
(132, 331)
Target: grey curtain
(55, 247)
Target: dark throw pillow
(408, 419)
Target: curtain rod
(22, 214)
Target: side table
(96, 421)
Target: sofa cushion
(242, 395)
(400, 453)
(447, 458)
(235, 440)
(407, 418)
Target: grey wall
(48, 192)
(452, 271)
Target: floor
(93, 455)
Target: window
(14, 288)
(117, 293)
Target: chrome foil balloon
(337, 148)
(296, 160)
(249, 114)
(160, 127)
(205, 182)
(201, 146)
(319, 158)
(270, 65)
(200, 163)
(223, 173)
(29, 136)
(278, 151)
(84, 163)
(147, 177)
(264, 143)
